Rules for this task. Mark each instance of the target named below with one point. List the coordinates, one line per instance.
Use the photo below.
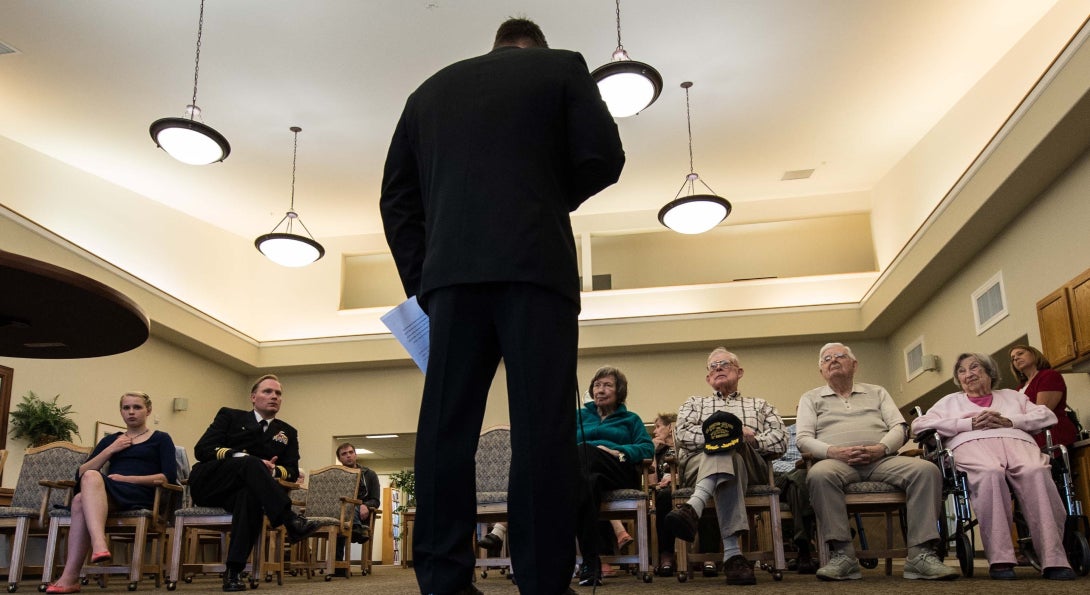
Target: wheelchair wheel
(965, 554)
(1078, 553)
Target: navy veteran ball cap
(722, 432)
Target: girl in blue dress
(120, 474)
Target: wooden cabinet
(1064, 319)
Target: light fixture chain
(294, 155)
(197, 61)
(619, 46)
(689, 125)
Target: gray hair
(733, 358)
(986, 362)
(847, 350)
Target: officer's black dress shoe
(299, 528)
(232, 581)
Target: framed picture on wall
(103, 429)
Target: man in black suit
(489, 158)
(241, 456)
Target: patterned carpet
(397, 581)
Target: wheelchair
(956, 528)
(1076, 525)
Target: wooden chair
(141, 528)
(637, 506)
(869, 498)
(493, 462)
(367, 548)
(34, 497)
(763, 544)
(331, 502)
(196, 524)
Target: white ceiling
(845, 87)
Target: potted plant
(42, 422)
(405, 480)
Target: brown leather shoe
(682, 522)
(738, 571)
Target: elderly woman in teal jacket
(613, 443)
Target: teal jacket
(620, 430)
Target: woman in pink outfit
(989, 432)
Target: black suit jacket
(234, 431)
(489, 158)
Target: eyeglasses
(721, 365)
(601, 384)
(828, 358)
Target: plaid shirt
(786, 463)
(754, 413)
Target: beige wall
(327, 404)
(1047, 246)
(94, 386)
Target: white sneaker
(927, 566)
(840, 568)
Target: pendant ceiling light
(695, 213)
(287, 248)
(626, 86)
(186, 139)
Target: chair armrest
(50, 485)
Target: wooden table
(47, 312)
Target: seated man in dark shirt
(368, 492)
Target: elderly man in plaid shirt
(724, 477)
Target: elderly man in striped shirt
(724, 477)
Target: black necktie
(264, 425)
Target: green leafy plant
(41, 421)
(405, 480)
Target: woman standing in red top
(1044, 386)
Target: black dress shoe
(299, 528)
(683, 522)
(232, 582)
(807, 566)
(738, 571)
(492, 543)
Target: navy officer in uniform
(241, 456)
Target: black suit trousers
(602, 472)
(244, 487)
(535, 331)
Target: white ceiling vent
(7, 49)
(797, 174)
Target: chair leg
(51, 545)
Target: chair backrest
(56, 461)
(494, 459)
(327, 486)
(182, 459)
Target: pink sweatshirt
(952, 418)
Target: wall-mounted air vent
(989, 303)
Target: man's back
(501, 148)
